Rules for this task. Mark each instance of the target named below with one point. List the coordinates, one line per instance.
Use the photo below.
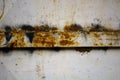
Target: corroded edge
(72, 35)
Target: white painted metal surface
(65, 64)
(60, 12)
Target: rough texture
(72, 35)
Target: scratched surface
(60, 64)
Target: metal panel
(37, 39)
(99, 21)
(63, 64)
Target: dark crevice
(8, 29)
(30, 36)
(8, 36)
(80, 49)
(27, 27)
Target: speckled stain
(38, 70)
(40, 66)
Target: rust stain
(44, 39)
(100, 28)
(110, 44)
(95, 44)
(113, 36)
(18, 40)
(50, 36)
(1, 37)
(45, 28)
(67, 35)
(67, 38)
(99, 44)
(73, 27)
(96, 35)
(66, 42)
(54, 29)
(36, 27)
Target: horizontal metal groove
(71, 36)
(60, 39)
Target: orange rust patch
(1, 37)
(113, 36)
(113, 39)
(44, 39)
(44, 36)
(45, 28)
(67, 35)
(67, 38)
(42, 28)
(36, 27)
(95, 44)
(73, 28)
(54, 29)
(18, 40)
(96, 35)
(110, 44)
(112, 33)
(66, 42)
(101, 44)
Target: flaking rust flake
(72, 35)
